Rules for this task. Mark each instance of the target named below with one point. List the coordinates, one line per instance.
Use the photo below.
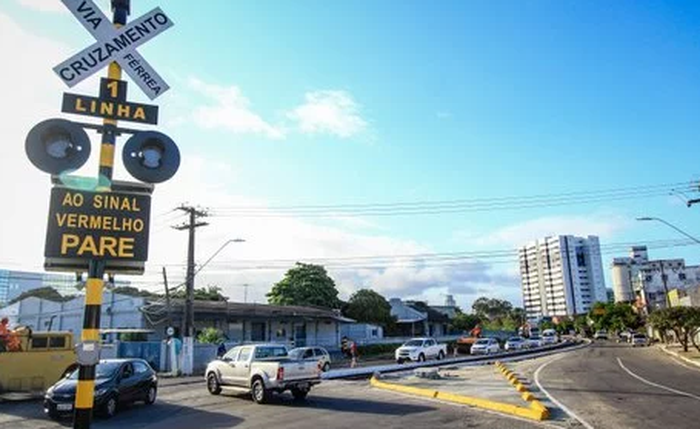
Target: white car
(515, 343)
(419, 350)
(534, 342)
(601, 335)
(549, 336)
(318, 354)
(485, 346)
(639, 340)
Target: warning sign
(98, 225)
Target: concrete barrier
(487, 404)
(366, 372)
(537, 409)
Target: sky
(277, 104)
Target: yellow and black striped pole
(85, 391)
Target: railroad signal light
(151, 157)
(57, 146)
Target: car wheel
(260, 395)
(399, 361)
(213, 385)
(421, 357)
(299, 394)
(151, 395)
(326, 367)
(441, 355)
(109, 409)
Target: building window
(681, 276)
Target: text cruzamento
(107, 50)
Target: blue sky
(442, 100)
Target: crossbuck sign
(115, 44)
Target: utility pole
(167, 298)
(191, 226)
(245, 293)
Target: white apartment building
(561, 276)
(624, 271)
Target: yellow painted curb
(520, 388)
(404, 389)
(527, 396)
(528, 413)
(537, 409)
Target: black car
(117, 381)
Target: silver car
(319, 354)
(515, 343)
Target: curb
(535, 405)
(532, 413)
(677, 356)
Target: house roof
(239, 309)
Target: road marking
(553, 399)
(651, 383)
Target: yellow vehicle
(44, 357)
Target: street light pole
(670, 225)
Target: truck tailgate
(298, 370)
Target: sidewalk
(165, 380)
(692, 356)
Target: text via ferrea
(91, 225)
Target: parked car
(624, 337)
(534, 342)
(549, 336)
(117, 381)
(316, 354)
(601, 334)
(485, 346)
(639, 340)
(419, 350)
(262, 369)
(515, 343)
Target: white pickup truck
(262, 369)
(420, 349)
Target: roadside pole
(85, 393)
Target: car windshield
(514, 339)
(482, 342)
(535, 338)
(102, 370)
(414, 343)
(639, 336)
(270, 352)
(296, 353)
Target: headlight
(49, 392)
(100, 392)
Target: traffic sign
(98, 225)
(110, 104)
(115, 45)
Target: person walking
(353, 354)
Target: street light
(234, 240)
(647, 218)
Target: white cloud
(329, 112)
(53, 6)
(231, 111)
(513, 236)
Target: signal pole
(191, 226)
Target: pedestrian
(4, 333)
(221, 350)
(353, 354)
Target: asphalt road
(333, 404)
(611, 385)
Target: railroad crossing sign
(114, 44)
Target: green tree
(614, 316)
(491, 308)
(683, 321)
(580, 323)
(367, 306)
(132, 291)
(305, 284)
(47, 293)
(210, 293)
(465, 322)
(210, 336)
